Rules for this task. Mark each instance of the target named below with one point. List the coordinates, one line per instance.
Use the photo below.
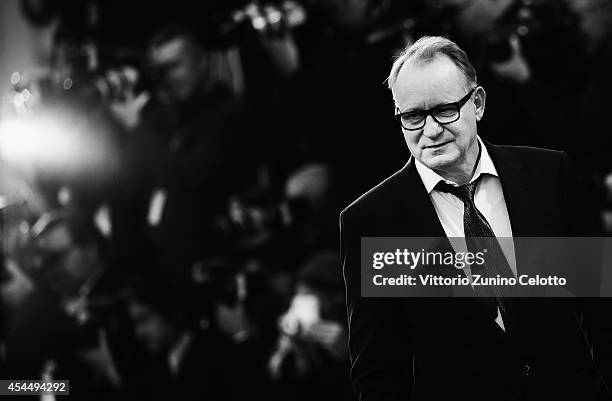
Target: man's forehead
(438, 78)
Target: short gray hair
(426, 49)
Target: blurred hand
(331, 335)
(127, 111)
(289, 324)
(301, 316)
(516, 68)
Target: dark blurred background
(172, 174)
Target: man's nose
(432, 128)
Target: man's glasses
(443, 114)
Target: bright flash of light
(45, 142)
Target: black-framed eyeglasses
(442, 114)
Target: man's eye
(412, 118)
(446, 111)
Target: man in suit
(449, 348)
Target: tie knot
(464, 192)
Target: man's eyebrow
(420, 110)
(411, 110)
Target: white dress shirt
(489, 200)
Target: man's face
(423, 85)
(179, 66)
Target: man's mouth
(438, 145)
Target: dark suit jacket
(446, 349)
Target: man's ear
(480, 97)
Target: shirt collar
(430, 178)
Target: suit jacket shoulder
(384, 192)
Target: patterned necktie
(480, 236)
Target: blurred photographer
(184, 359)
(52, 331)
(188, 155)
(311, 356)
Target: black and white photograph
(298, 200)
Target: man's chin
(439, 162)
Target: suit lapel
(517, 194)
(415, 205)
